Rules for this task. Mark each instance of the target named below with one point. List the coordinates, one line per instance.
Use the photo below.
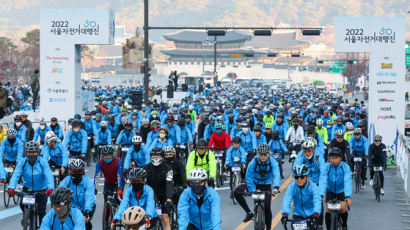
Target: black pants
(35, 95)
(381, 176)
(109, 190)
(41, 201)
(239, 194)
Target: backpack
(263, 172)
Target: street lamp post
(215, 74)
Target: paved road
(366, 213)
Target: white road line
(222, 188)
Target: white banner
(62, 32)
(384, 38)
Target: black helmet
(32, 146)
(202, 142)
(17, 118)
(361, 124)
(76, 123)
(107, 150)
(157, 152)
(61, 196)
(310, 129)
(137, 173)
(236, 139)
(280, 115)
(335, 152)
(257, 128)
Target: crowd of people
(166, 153)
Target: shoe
(249, 216)
(344, 227)
(371, 182)
(363, 187)
(382, 191)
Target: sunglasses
(201, 148)
(299, 177)
(263, 154)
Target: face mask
(32, 159)
(77, 178)
(42, 127)
(198, 189)
(154, 116)
(218, 131)
(62, 214)
(18, 124)
(156, 161)
(93, 117)
(138, 187)
(137, 147)
(76, 130)
(108, 160)
(170, 160)
(162, 135)
(245, 130)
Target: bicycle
(300, 224)
(182, 153)
(377, 181)
(173, 216)
(220, 178)
(56, 174)
(6, 198)
(259, 209)
(357, 159)
(31, 218)
(96, 155)
(110, 208)
(335, 220)
(123, 153)
(236, 177)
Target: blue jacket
(191, 127)
(229, 127)
(10, 153)
(58, 130)
(174, 134)
(103, 137)
(232, 153)
(261, 140)
(234, 132)
(248, 140)
(186, 136)
(126, 140)
(283, 129)
(21, 133)
(209, 129)
(336, 127)
(84, 198)
(320, 146)
(75, 221)
(141, 158)
(207, 217)
(151, 137)
(337, 179)
(278, 146)
(35, 177)
(78, 141)
(306, 200)
(361, 145)
(113, 129)
(258, 173)
(146, 201)
(316, 166)
(58, 154)
(41, 133)
(89, 126)
(157, 143)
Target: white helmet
(198, 174)
(319, 122)
(349, 126)
(103, 123)
(190, 107)
(137, 139)
(133, 216)
(50, 137)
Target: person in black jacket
(145, 129)
(343, 145)
(377, 158)
(160, 177)
(201, 127)
(179, 172)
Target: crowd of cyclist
(166, 154)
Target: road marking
(278, 217)
(222, 188)
(243, 225)
(12, 211)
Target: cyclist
(320, 146)
(138, 194)
(111, 168)
(179, 172)
(186, 135)
(202, 157)
(133, 218)
(138, 154)
(322, 131)
(295, 137)
(342, 144)
(235, 156)
(363, 125)
(144, 130)
(260, 138)
(339, 125)
(160, 178)
(229, 123)
(262, 172)
(89, 127)
(281, 126)
(12, 148)
(277, 148)
(29, 126)
(359, 146)
(377, 158)
(349, 131)
(83, 188)
(125, 136)
(41, 132)
(199, 205)
(63, 216)
(152, 135)
(248, 140)
(55, 153)
(210, 128)
(37, 177)
(305, 196)
(268, 132)
(20, 128)
(237, 129)
(338, 185)
(76, 138)
(102, 137)
(219, 140)
(112, 126)
(56, 128)
(174, 132)
(162, 140)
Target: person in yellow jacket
(322, 131)
(2, 133)
(202, 158)
(268, 118)
(349, 133)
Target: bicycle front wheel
(6, 196)
(107, 216)
(26, 219)
(259, 218)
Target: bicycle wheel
(233, 186)
(96, 154)
(333, 221)
(259, 218)
(6, 196)
(357, 178)
(218, 175)
(26, 219)
(107, 216)
(377, 186)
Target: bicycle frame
(334, 207)
(302, 224)
(259, 209)
(377, 181)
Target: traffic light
(322, 61)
